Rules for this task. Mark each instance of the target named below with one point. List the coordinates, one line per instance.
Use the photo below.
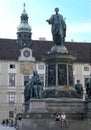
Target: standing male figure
(58, 28)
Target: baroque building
(19, 57)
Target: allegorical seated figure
(88, 87)
(34, 87)
(79, 87)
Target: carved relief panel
(27, 68)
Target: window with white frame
(41, 67)
(26, 79)
(86, 68)
(12, 66)
(11, 114)
(11, 98)
(11, 79)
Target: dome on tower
(24, 31)
(24, 26)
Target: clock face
(26, 53)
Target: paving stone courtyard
(6, 127)
(73, 125)
(77, 125)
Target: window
(11, 79)
(41, 67)
(86, 68)
(12, 98)
(11, 114)
(85, 81)
(26, 79)
(12, 66)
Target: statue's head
(56, 10)
(35, 72)
(78, 81)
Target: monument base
(41, 113)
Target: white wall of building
(18, 89)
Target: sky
(76, 12)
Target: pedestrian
(64, 119)
(57, 117)
(7, 122)
(3, 122)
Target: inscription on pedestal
(64, 106)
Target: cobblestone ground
(6, 128)
(77, 125)
(73, 125)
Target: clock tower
(24, 39)
(24, 31)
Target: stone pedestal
(59, 73)
(59, 70)
(53, 105)
(88, 108)
(41, 113)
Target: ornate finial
(24, 6)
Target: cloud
(44, 32)
(79, 28)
